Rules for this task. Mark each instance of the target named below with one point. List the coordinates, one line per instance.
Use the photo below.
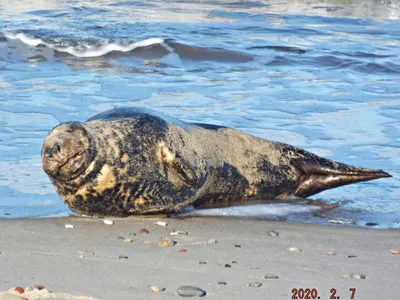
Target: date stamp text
(312, 293)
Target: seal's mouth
(74, 160)
(77, 155)
(58, 167)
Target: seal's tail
(319, 174)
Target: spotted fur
(129, 162)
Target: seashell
(165, 242)
(355, 276)
(157, 289)
(178, 232)
(273, 233)
(294, 249)
(161, 223)
(254, 284)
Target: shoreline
(321, 216)
(95, 260)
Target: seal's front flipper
(319, 174)
(175, 166)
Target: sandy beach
(95, 260)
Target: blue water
(319, 76)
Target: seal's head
(67, 152)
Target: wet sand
(97, 260)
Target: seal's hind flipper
(319, 174)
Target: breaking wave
(86, 49)
(154, 47)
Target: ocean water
(321, 75)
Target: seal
(131, 161)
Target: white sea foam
(87, 49)
(27, 39)
(255, 211)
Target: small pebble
(69, 226)
(356, 276)
(227, 266)
(108, 222)
(255, 284)
(294, 249)
(234, 262)
(38, 287)
(202, 263)
(394, 252)
(273, 233)
(183, 251)
(122, 257)
(221, 283)
(144, 231)
(212, 241)
(157, 289)
(19, 290)
(178, 232)
(165, 242)
(238, 246)
(271, 276)
(85, 253)
(190, 291)
(161, 223)
(127, 241)
(351, 256)
(331, 253)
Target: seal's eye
(49, 152)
